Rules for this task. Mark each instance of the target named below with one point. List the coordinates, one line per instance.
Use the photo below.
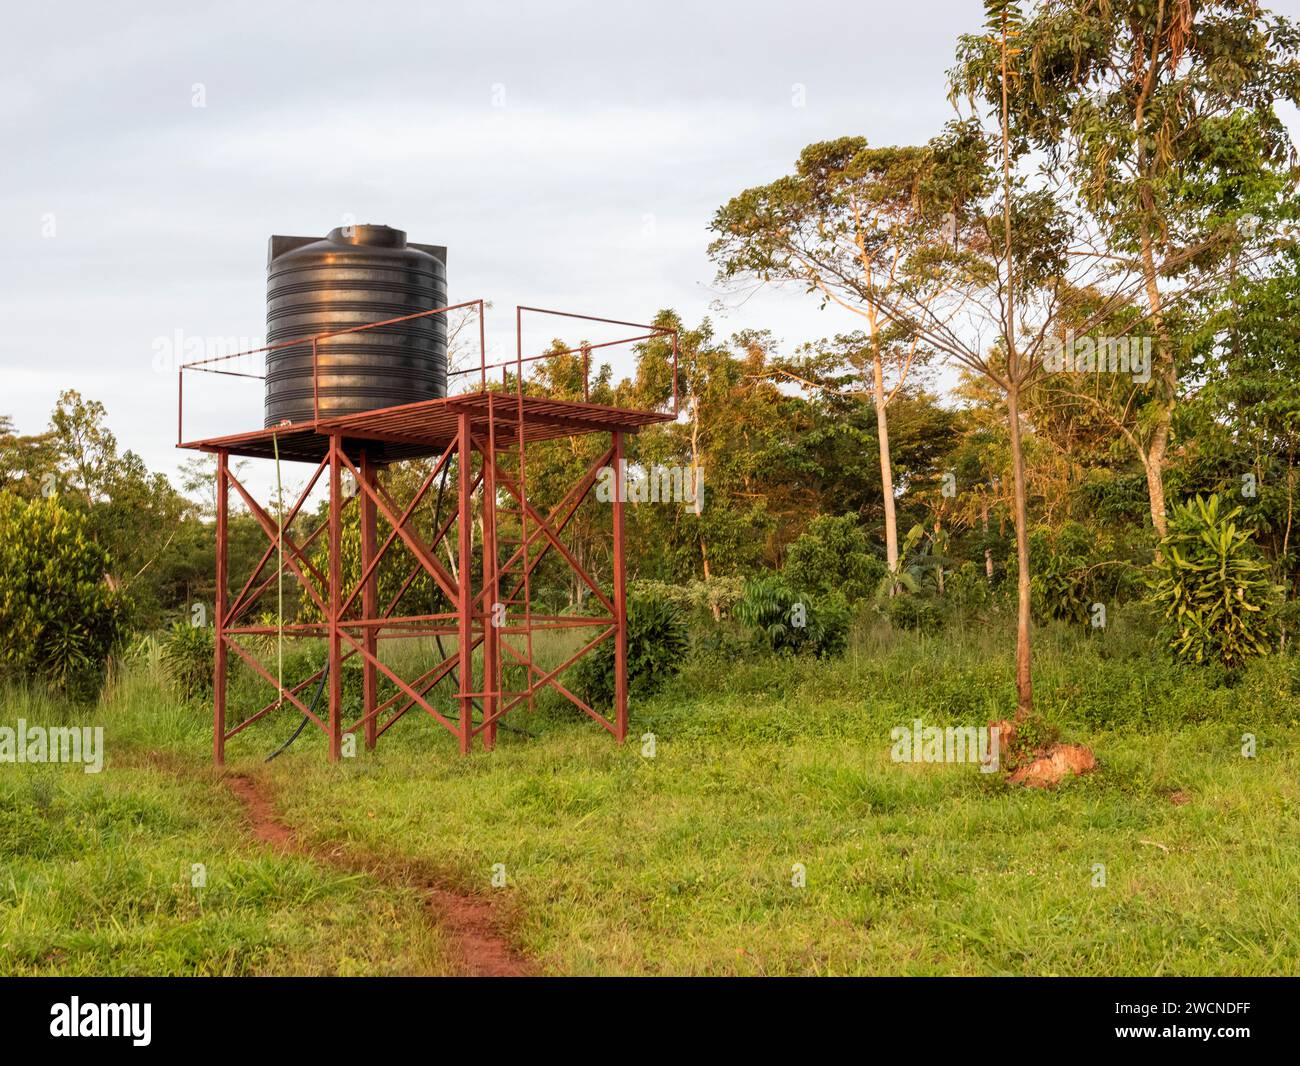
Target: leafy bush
(919, 613)
(1075, 566)
(714, 597)
(1059, 582)
(789, 622)
(969, 589)
(1218, 602)
(657, 645)
(59, 618)
(186, 655)
(723, 643)
(833, 556)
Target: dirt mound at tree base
(1050, 767)
(1043, 767)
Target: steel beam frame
(491, 635)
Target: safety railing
(647, 332)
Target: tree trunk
(938, 572)
(1024, 679)
(1165, 378)
(1154, 464)
(886, 469)
(695, 466)
(988, 552)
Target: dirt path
(261, 815)
(470, 924)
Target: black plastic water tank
(356, 275)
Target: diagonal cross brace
(295, 555)
(242, 604)
(567, 507)
(554, 538)
(418, 548)
(394, 533)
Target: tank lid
(376, 236)
(368, 235)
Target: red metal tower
(487, 433)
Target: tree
(86, 448)
(198, 477)
(849, 224)
(833, 557)
(132, 514)
(1000, 260)
(1247, 411)
(59, 617)
(1162, 114)
(26, 463)
(738, 429)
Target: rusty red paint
(476, 430)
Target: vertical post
(491, 589)
(620, 598)
(464, 583)
(482, 351)
(369, 596)
(219, 609)
(676, 349)
(335, 602)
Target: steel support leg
(491, 597)
(335, 601)
(620, 597)
(369, 600)
(464, 564)
(220, 608)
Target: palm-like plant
(1215, 591)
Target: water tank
(356, 275)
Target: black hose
(325, 672)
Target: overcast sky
(569, 155)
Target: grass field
(684, 863)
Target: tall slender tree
(1162, 115)
(849, 224)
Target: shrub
(722, 643)
(1213, 588)
(657, 644)
(833, 556)
(968, 588)
(918, 613)
(714, 597)
(59, 618)
(789, 622)
(1075, 566)
(1059, 581)
(186, 655)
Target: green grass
(97, 870)
(683, 863)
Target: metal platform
(419, 430)
(493, 542)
